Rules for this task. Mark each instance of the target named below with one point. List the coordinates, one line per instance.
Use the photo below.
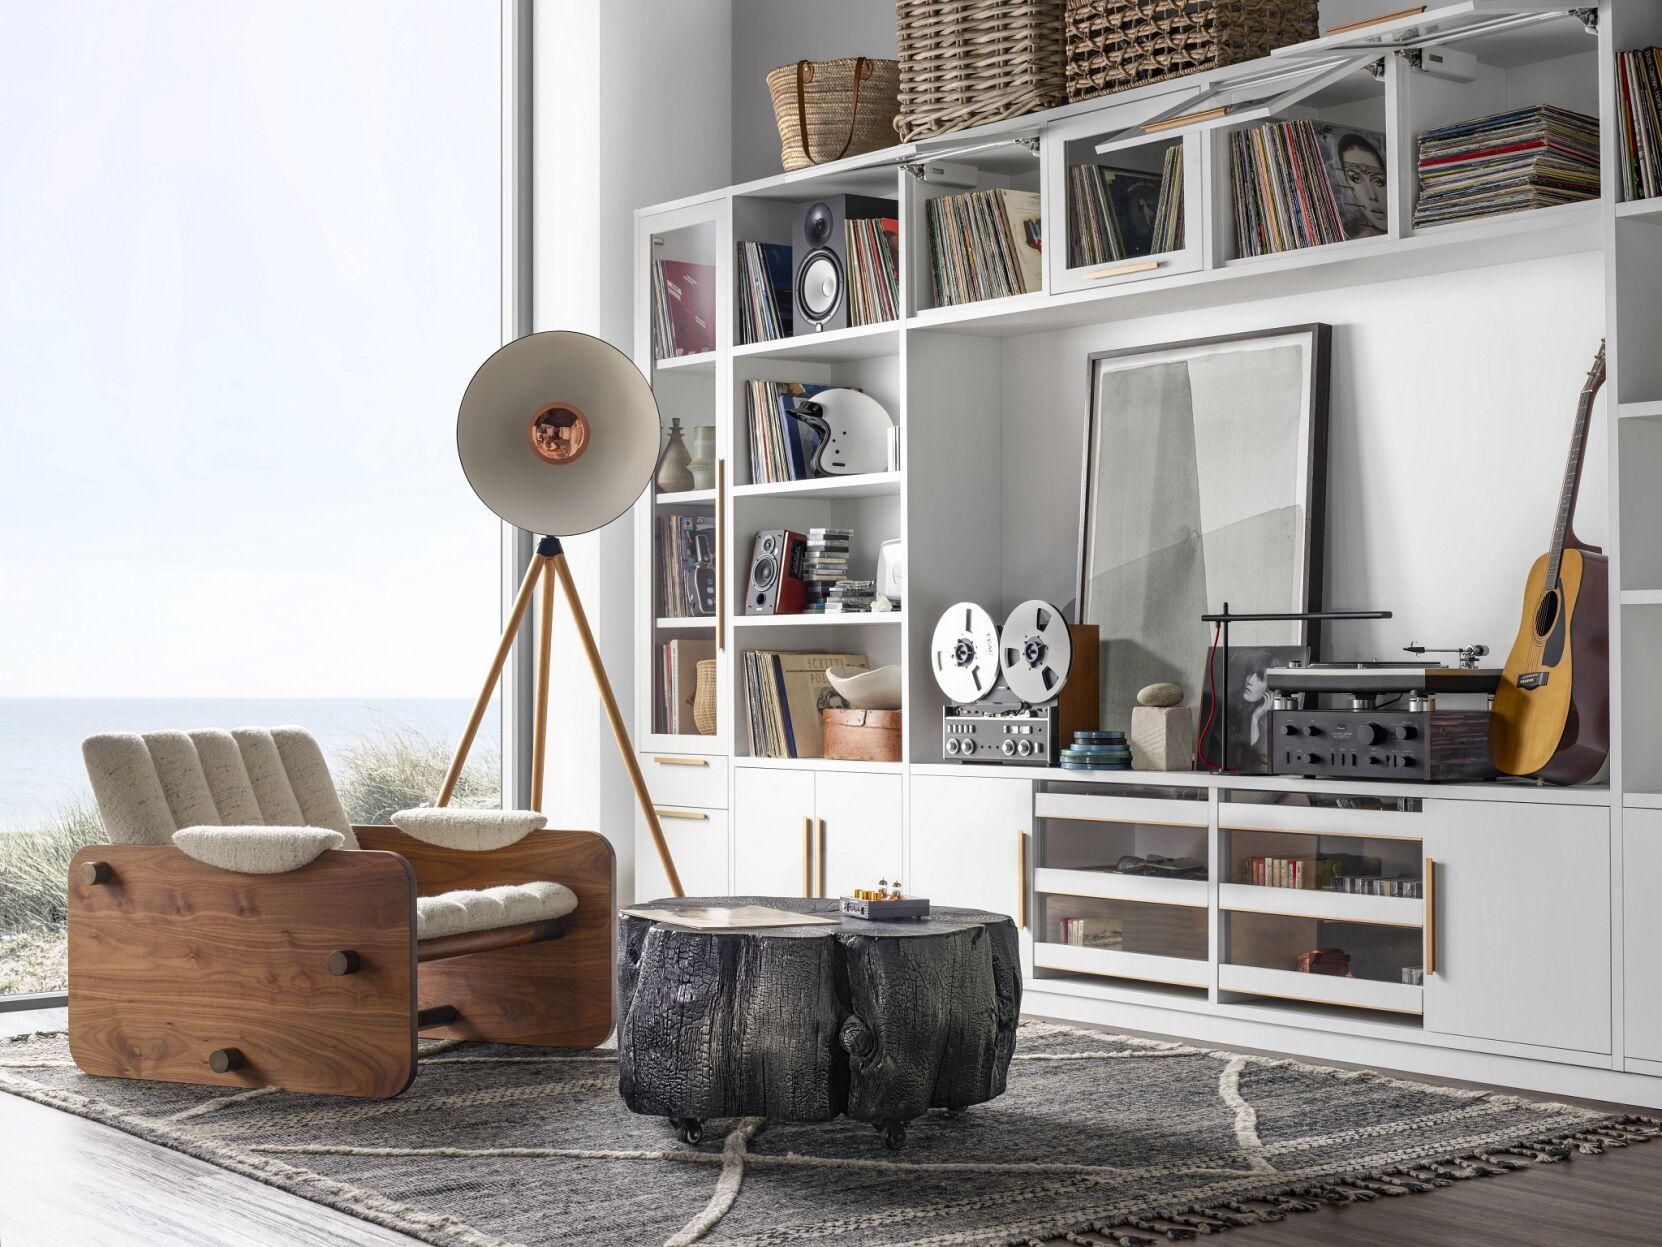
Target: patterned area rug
(1141, 1141)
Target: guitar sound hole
(1546, 614)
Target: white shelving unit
(1574, 1011)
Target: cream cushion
(472, 831)
(257, 850)
(455, 913)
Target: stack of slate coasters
(1097, 751)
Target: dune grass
(376, 777)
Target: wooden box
(862, 735)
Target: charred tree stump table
(879, 1020)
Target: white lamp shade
(607, 471)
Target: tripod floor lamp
(558, 433)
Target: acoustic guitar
(1551, 718)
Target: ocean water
(40, 738)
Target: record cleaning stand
(1222, 620)
(549, 565)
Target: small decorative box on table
(881, 1020)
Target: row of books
(1305, 184)
(678, 680)
(984, 245)
(1092, 932)
(781, 446)
(686, 549)
(1119, 214)
(1344, 872)
(784, 693)
(1639, 114)
(683, 308)
(765, 301)
(824, 565)
(873, 253)
(1533, 157)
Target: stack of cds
(1528, 158)
(1097, 751)
(825, 565)
(851, 597)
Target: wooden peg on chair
(224, 1060)
(94, 873)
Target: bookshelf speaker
(819, 246)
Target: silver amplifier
(994, 732)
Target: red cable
(1211, 685)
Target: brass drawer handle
(807, 858)
(1430, 891)
(691, 815)
(1021, 877)
(1176, 123)
(822, 859)
(682, 761)
(1123, 270)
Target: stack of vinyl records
(1639, 113)
(873, 270)
(1305, 184)
(784, 692)
(1527, 158)
(1097, 751)
(686, 565)
(765, 300)
(1116, 214)
(984, 245)
(824, 564)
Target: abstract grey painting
(1204, 483)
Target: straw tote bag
(830, 109)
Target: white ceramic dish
(868, 690)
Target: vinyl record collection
(784, 693)
(1118, 214)
(781, 447)
(873, 270)
(764, 292)
(686, 546)
(1527, 158)
(683, 308)
(984, 245)
(1305, 184)
(1639, 113)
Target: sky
(249, 258)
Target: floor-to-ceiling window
(249, 258)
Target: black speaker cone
(818, 223)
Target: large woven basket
(1115, 44)
(965, 63)
(830, 109)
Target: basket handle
(805, 75)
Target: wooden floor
(68, 1182)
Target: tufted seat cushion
(454, 913)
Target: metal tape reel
(965, 653)
(1036, 652)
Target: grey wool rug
(1142, 1141)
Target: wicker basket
(704, 698)
(830, 109)
(1115, 44)
(968, 62)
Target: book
(765, 293)
(784, 694)
(678, 682)
(683, 308)
(873, 251)
(1306, 184)
(984, 245)
(1524, 158)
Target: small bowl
(868, 690)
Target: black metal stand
(1226, 617)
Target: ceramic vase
(702, 465)
(673, 474)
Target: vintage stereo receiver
(1380, 721)
(1017, 694)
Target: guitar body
(1551, 717)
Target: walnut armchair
(238, 931)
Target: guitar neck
(1572, 470)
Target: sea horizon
(41, 770)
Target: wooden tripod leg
(517, 614)
(539, 737)
(619, 731)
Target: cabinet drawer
(1324, 989)
(1314, 813)
(699, 843)
(1183, 807)
(686, 779)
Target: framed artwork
(1204, 484)
(1241, 695)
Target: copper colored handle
(1430, 916)
(1021, 878)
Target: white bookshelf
(938, 370)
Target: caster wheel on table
(688, 1129)
(894, 1136)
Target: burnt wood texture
(879, 1020)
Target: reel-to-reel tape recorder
(1015, 694)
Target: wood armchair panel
(171, 960)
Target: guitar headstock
(1595, 374)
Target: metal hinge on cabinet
(1589, 19)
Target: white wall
(631, 107)
(1439, 496)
